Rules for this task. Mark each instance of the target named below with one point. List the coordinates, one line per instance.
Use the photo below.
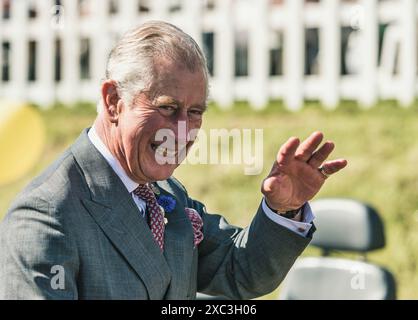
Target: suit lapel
(113, 209)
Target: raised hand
(299, 172)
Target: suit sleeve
(37, 258)
(244, 263)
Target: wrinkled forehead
(179, 82)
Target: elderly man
(92, 226)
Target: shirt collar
(111, 160)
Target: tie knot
(145, 193)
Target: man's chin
(161, 172)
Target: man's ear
(111, 100)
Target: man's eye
(196, 114)
(167, 110)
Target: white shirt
(301, 228)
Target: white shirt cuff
(301, 227)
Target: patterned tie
(156, 216)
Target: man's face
(176, 95)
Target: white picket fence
(260, 19)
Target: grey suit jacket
(77, 221)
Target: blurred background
(347, 68)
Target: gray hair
(132, 60)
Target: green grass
(380, 144)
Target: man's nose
(181, 128)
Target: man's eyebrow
(168, 99)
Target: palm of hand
(294, 178)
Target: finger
(321, 154)
(307, 147)
(334, 166)
(287, 151)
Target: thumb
(269, 185)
